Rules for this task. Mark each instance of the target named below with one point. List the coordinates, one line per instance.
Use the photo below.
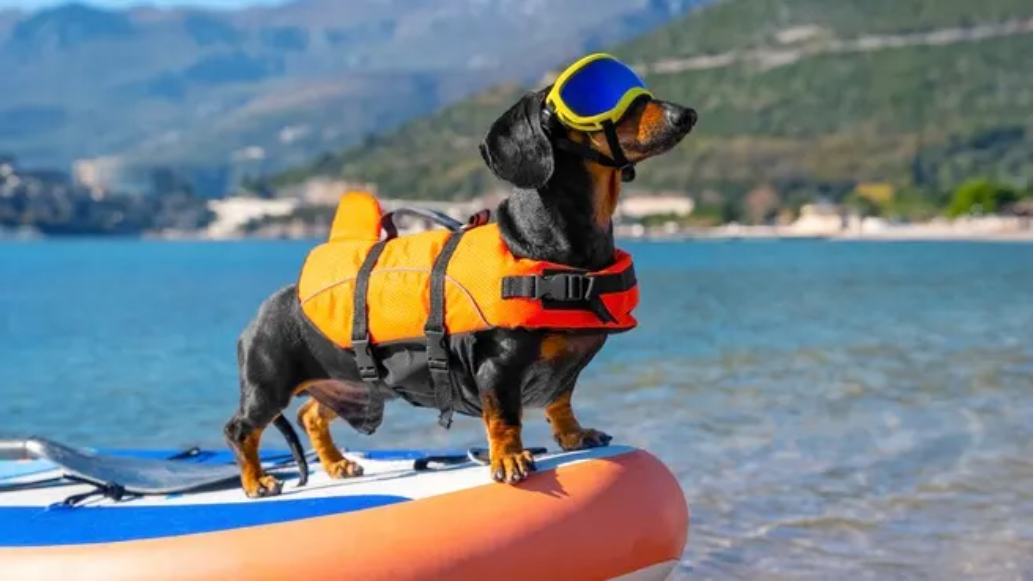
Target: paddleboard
(612, 513)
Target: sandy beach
(987, 228)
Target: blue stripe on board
(12, 469)
(36, 526)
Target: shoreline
(943, 231)
(898, 234)
(903, 235)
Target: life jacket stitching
(470, 297)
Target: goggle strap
(620, 161)
(615, 146)
(626, 167)
(585, 152)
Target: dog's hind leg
(243, 434)
(269, 371)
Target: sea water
(831, 409)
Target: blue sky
(35, 4)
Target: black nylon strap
(360, 327)
(585, 152)
(563, 286)
(434, 329)
(620, 161)
(571, 290)
(611, 133)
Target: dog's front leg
(501, 412)
(567, 432)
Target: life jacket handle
(479, 218)
(389, 226)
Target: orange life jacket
(360, 291)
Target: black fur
(295, 446)
(517, 149)
(548, 217)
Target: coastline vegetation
(922, 118)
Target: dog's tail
(285, 428)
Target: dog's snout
(681, 117)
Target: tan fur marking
(553, 346)
(567, 431)
(509, 461)
(606, 186)
(561, 416)
(316, 419)
(606, 182)
(252, 478)
(652, 120)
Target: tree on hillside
(980, 196)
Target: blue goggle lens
(598, 87)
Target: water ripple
(853, 410)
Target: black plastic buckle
(437, 355)
(564, 287)
(364, 360)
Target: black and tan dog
(560, 212)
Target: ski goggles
(594, 90)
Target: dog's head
(521, 146)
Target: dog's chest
(562, 357)
(552, 370)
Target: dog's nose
(682, 117)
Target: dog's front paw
(344, 468)
(583, 438)
(512, 467)
(267, 486)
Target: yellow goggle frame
(594, 122)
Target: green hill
(202, 89)
(806, 96)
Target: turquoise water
(832, 409)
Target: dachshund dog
(560, 211)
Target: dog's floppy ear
(517, 149)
